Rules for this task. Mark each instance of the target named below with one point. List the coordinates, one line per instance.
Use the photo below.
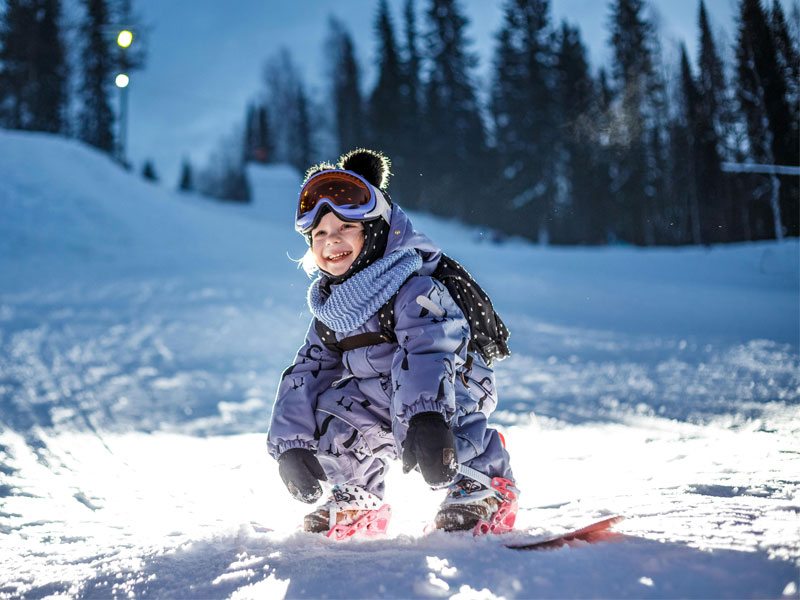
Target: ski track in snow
(134, 403)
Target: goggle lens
(339, 188)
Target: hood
(402, 235)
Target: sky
(205, 64)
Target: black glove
(430, 444)
(301, 472)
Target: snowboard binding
(349, 511)
(372, 523)
(502, 521)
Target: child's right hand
(301, 472)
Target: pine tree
(411, 66)
(762, 94)
(224, 177)
(186, 183)
(385, 129)
(788, 52)
(50, 76)
(249, 137)
(263, 151)
(712, 129)
(33, 71)
(257, 137)
(632, 41)
(602, 117)
(455, 152)
(19, 19)
(96, 118)
(300, 144)
(149, 171)
(346, 93)
(580, 203)
(686, 152)
(409, 160)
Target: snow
(142, 333)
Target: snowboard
(596, 532)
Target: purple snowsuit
(353, 408)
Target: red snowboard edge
(595, 532)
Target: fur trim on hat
(370, 164)
(323, 166)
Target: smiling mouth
(339, 256)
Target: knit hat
(374, 167)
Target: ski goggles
(349, 195)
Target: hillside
(142, 334)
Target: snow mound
(65, 206)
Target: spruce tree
(455, 152)
(249, 137)
(762, 96)
(408, 162)
(96, 118)
(282, 81)
(33, 68)
(411, 66)
(257, 135)
(149, 171)
(686, 155)
(385, 102)
(16, 50)
(788, 52)
(712, 129)
(632, 39)
(48, 104)
(346, 93)
(523, 108)
(263, 135)
(580, 203)
(300, 143)
(186, 182)
(712, 88)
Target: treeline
(648, 149)
(43, 87)
(645, 150)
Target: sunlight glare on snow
(271, 587)
(441, 566)
(465, 592)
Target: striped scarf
(353, 302)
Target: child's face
(336, 243)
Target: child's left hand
(431, 445)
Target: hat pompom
(370, 164)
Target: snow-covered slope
(142, 333)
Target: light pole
(124, 40)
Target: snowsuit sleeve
(432, 336)
(314, 370)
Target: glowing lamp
(124, 38)
(122, 80)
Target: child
(341, 414)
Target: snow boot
(471, 506)
(349, 511)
